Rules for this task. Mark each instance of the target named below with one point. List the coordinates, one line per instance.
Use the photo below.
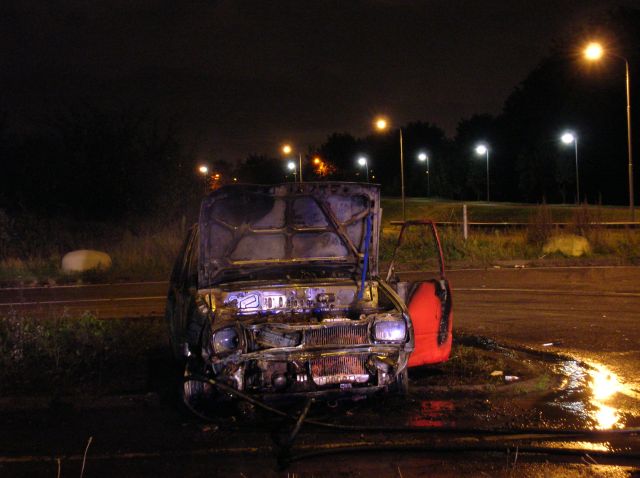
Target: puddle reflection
(604, 385)
(433, 413)
(600, 385)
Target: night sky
(244, 76)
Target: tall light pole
(287, 149)
(568, 138)
(425, 157)
(291, 166)
(362, 161)
(382, 125)
(594, 52)
(483, 149)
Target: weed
(540, 226)
(67, 352)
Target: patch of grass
(147, 255)
(441, 210)
(470, 365)
(63, 355)
(31, 250)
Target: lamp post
(362, 161)
(568, 138)
(287, 149)
(204, 170)
(291, 166)
(483, 149)
(425, 157)
(594, 52)
(381, 125)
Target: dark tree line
(91, 164)
(98, 164)
(527, 160)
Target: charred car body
(276, 293)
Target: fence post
(465, 223)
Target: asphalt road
(587, 313)
(591, 312)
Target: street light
(422, 157)
(483, 149)
(204, 170)
(594, 52)
(381, 125)
(362, 161)
(291, 166)
(568, 138)
(287, 149)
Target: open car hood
(246, 229)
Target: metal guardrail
(517, 225)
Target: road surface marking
(56, 302)
(548, 291)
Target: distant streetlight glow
(483, 150)
(288, 149)
(593, 52)
(291, 166)
(362, 161)
(567, 138)
(422, 157)
(204, 170)
(381, 125)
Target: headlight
(225, 340)
(390, 330)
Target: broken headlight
(225, 340)
(390, 330)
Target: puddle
(434, 413)
(592, 396)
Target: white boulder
(567, 244)
(84, 260)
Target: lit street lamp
(287, 149)
(568, 138)
(381, 125)
(362, 161)
(204, 170)
(483, 149)
(291, 166)
(594, 52)
(424, 157)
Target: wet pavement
(566, 344)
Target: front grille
(342, 369)
(338, 335)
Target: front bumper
(319, 371)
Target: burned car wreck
(276, 293)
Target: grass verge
(70, 355)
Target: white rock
(84, 260)
(567, 244)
